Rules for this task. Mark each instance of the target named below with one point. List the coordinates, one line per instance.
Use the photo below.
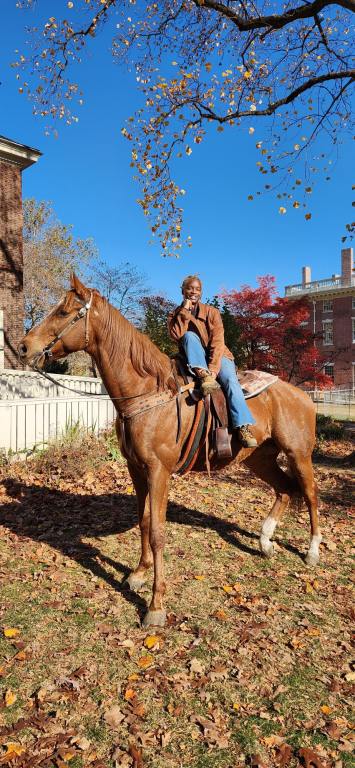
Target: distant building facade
(14, 158)
(332, 317)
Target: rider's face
(192, 291)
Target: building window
(328, 332)
(329, 370)
(353, 302)
(353, 334)
(327, 305)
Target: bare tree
(124, 286)
(286, 67)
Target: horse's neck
(119, 375)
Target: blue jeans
(227, 377)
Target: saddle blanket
(254, 382)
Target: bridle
(84, 311)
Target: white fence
(339, 403)
(26, 424)
(33, 411)
(26, 384)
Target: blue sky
(85, 173)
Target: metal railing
(339, 403)
(317, 286)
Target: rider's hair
(187, 280)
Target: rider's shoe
(246, 438)
(208, 384)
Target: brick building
(332, 316)
(14, 158)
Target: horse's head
(64, 330)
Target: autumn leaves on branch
(199, 63)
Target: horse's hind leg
(263, 463)
(303, 469)
(136, 579)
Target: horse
(134, 370)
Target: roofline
(18, 154)
(331, 293)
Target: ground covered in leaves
(254, 665)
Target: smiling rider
(198, 329)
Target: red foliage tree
(272, 334)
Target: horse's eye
(62, 313)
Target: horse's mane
(123, 340)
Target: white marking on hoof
(312, 557)
(134, 581)
(266, 546)
(267, 531)
(154, 619)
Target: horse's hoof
(267, 548)
(154, 619)
(312, 559)
(134, 581)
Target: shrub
(328, 428)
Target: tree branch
(275, 21)
(206, 113)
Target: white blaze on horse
(139, 379)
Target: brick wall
(342, 352)
(11, 260)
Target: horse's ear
(80, 289)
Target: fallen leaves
(220, 615)
(13, 750)
(256, 761)
(283, 755)
(144, 662)
(196, 666)
(271, 651)
(311, 759)
(152, 641)
(213, 729)
(114, 716)
(11, 632)
(10, 697)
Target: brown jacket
(209, 327)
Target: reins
(47, 354)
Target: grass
(270, 653)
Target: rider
(198, 329)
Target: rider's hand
(187, 304)
(213, 374)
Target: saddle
(211, 428)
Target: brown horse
(130, 366)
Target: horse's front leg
(158, 484)
(137, 578)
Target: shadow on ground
(63, 520)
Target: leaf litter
(253, 666)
